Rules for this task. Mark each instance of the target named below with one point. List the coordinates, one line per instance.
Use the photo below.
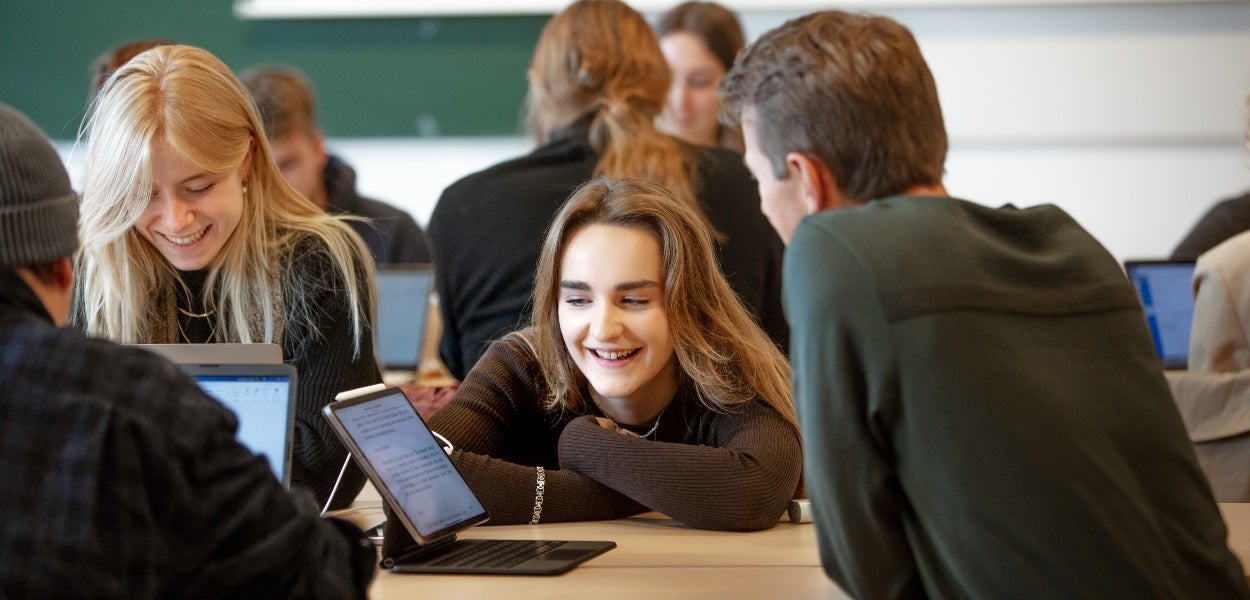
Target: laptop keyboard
(495, 554)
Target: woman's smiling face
(191, 213)
(613, 320)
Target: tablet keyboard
(495, 553)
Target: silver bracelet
(538, 496)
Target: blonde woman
(644, 383)
(191, 235)
(597, 82)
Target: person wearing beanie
(191, 235)
(121, 477)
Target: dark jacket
(123, 480)
(390, 233)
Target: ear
(55, 290)
(817, 186)
(319, 148)
(246, 167)
(63, 273)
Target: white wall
(1130, 117)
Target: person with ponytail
(190, 234)
(596, 84)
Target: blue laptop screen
(1165, 289)
(261, 402)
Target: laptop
(416, 477)
(182, 354)
(1165, 288)
(403, 310)
(262, 396)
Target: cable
(449, 447)
(337, 480)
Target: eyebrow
(624, 286)
(194, 177)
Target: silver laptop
(403, 310)
(262, 397)
(1165, 288)
(417, 479)
(206, 354)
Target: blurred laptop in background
(1165, 288)
(403, 310)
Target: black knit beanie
(38, 208)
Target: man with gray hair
(122, 478)
(983, 414)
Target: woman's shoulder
(552, 160)
(313, 248)
(517, 354)
(307, 262)
(755, 409)
(516, 351)
(510, 364)
(304, 254)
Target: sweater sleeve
(501, 433)
(740, 479)
(322, 348)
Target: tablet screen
(407, 464)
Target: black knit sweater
(321, 349)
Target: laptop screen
(403, 301)
(1165, 288)
(407, 464)
(262, 397)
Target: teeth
(184, 241)
(613, 354)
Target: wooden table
(1237, 517)
(656, 558)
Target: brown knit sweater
(731, 471)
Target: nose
(175, 214)
(677, 95)
(605, 324)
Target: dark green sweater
(983, 414)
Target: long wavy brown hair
(720, 349)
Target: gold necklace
(212, 330)
(202, 315)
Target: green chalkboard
(461, 76)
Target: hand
(427, 400)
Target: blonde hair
(601, 56)
(187, 98)
(720, 349)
